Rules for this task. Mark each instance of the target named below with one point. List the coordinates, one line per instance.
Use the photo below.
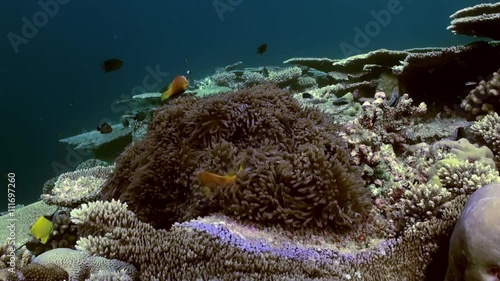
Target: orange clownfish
(212, 180)
(209, 180)
(178, 86)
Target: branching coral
(465, 177)
(295, 171)
(380, 123)
(421, 202)
(488, 130)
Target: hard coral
(295, 170)
(219, 248)
(48, 272)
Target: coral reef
(105, 146)
(24, 218)
(91, 163)
(74, 188)
(452, 68)
(481, 20)
(485, 98)
(81, 265)
(488, 131)
(295, 170)
(48, 272)
(221, 248)
(64, 234)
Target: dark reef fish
(105, 128)
(262, 49)
(111, 65)
(140, 116)
(125, 123)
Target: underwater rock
(474, 245)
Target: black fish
(262, 49)
(111, 65)
(140, 116)
(105, 128)
(125, 122)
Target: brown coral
(485, 98)
(295, 169)
(48, 272)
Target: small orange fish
(212, 180)
(178, 86)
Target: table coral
(221, 248)
(73, 188)
(480, 20)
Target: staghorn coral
(488, 130)
(226, 79)
(380, 123)
(73, 188)
(421, 202)
(104, 275)
(217, 247)
(465, 177)
(284, 76)
(9, 257)
(295, 169)
(253, 78)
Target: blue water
(52, 85)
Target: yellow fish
(42, 229)
(178, 86)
